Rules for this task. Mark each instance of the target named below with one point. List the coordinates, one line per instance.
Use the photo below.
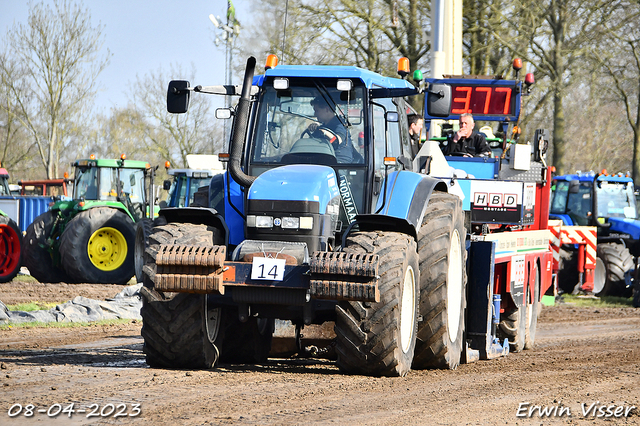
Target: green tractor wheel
(97, 246)
(10, 243)
(35, 255)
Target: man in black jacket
(466, 142)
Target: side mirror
(392, 116)
(438, 100)
(178, 96)
(166, 185)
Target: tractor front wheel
(379, 338)
(617, 261)
(97, 246)
(10, 247)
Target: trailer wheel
(532, 311)
(143, 230)
(379, 338)
(34, 254)
(513, 328)
(10, 249)
(443, 278)
(617, 261)
(97, 246)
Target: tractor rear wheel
(10, 249)
(617, 262)
(379, 338)
(443, 279)
(97, 246)
(143, 230)
(35, 256)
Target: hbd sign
(496, 202)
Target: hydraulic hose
(240, 128)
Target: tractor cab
(112, 181)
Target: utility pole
(228, 31)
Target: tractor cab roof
(370, 79)
(127, 164)
(590, 176)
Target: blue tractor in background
(325, 214)
(608, 202)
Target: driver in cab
(466, 142)
(330, 128)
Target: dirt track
(595, 360)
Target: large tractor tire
(36, 257)
(443, 280)
(533, 311)
(97, 246)
(143, 230)
(10, 249)
(617, 261)
(379, 338)
(180, 330)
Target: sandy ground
(585, 369)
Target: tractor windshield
(310, 124)
(616, 199)
(183, 186)
(86, 183)
(573, 200)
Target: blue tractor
(607, 202)
(321, 219)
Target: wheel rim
(107, 249)
(454, 286)
(9, 250)
(407, 309)
(213, 323)
(599, 276)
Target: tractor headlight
(254, 221)
(290, 222)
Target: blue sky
(144, 35)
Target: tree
(15, 150)
(56, 62)
(558, 34)
(174, 136)
(371, 34)
(619, 58)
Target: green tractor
(91, 238)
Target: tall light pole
(228, 31)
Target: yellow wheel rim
(107, 249)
